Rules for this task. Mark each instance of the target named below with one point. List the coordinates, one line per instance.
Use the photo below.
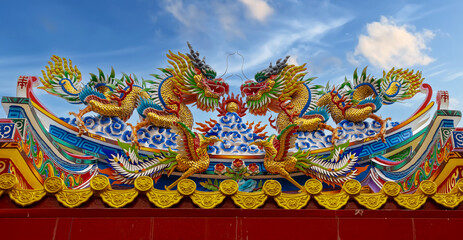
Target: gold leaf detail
(428, 187)
(119, 198)
(411, 201)
(372, 201)
(332, 201)
(460, 185)
(143, 183)
(207, 200)
(292, 201)
(26, 197)
(352, 187)
(99, 183)
(186, 187)
(53, 184)
(249, 200)
(313, 186)
(7, 181)
(391, 189)
(73, 198)
(229, 187)
(449, 200)
(162, 198)
(272, 188)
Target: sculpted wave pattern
(350, 131)
(113, 127)
(236, 136)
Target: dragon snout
(214, 139)
(258, 143)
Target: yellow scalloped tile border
(100, 187)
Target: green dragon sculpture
(358, 100)
(283, 89)
(105, 95)
(191, 158)
(334, 169)
(189, 80)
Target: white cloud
(454, 76)
(283, 40)
(352, 59)
(258, 9)
(388, 44)
(188, 14)
(293, 60)
(227, 13)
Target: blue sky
(333, 37)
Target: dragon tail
(334, 169)
(130, 165)
(400, 84)
(62, 79)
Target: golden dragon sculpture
(334, 169)
(360, 99)
(188, 80)
(283, 89)
(191, 158)
(104, 95)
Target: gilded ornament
(460, 185)
(186, 187)
(26, 197)
(283, 162)
(207, 200)
(73, 198)
(118, 198)
(292, 201)
(372, 201)
(143, 183)
(313, 186)
(249, 200)
(1, 192)
(449, 200)
(53, 184)
(187, 76)
(332, 201)
(8, 181)
(272, 188)
(284, 85)
(106, 96)
(411, 201)
(352, 187)
(99, 183)
(428, 187)
(162, 198)
(232, 107)
(391, 189)
(229, 187)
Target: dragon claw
(80, 124)
(335, 135)
(134, 136)
(382, 131)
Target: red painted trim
(427, 100)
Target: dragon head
(262, 143)
(193, 79)
(207, 88)
(268, 85)
(208, 141)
